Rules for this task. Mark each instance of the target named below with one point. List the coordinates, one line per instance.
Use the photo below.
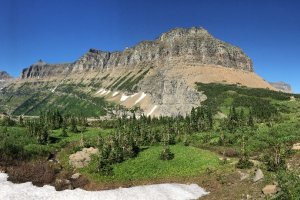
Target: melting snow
(115, 93)
(143, 95)
(99, 91)
(11, 191)
(152, 110)
(124, 97)
(53, 90)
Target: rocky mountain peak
(184, 32)
(5, 78)
(40, 62)
(282, 86)
(4, 75)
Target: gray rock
(258, 175)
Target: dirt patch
(39, 173)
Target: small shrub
(231, 153)
(244, 163)
(166, 154)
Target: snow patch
(115, 94)
(107, 92)
(53, 90)
(143, 95)
(124, 97)
(152, 110)
(11, 191)
(103, 92)
(133, 95)
(99, 91)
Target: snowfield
(26, 191)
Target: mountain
(282, 86)
(5, 78)
(156, 76)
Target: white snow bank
(152, 110)
(26, 191)
(124, 97)
(115, 93)
(99, 91)
(143, 95)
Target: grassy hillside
(235, 128)
(31, 99)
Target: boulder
(82, 158)
(270, 189)
(258, 175)
(75, 176)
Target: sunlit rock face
(193, 45)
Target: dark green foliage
(244, 164)
(289, 183)
(73, 127)
(68, 98)
(277, 140)
(166, 153)
(7, 121)
(64, 131)
(121, 80)
(256, 100)
(104, 166)
(39, 130)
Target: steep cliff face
(194, 45)
(282, 86)
(41, 69)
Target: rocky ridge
(158, 76)
(282, 86)
(5, 78)
(193, 45)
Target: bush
(244, 163)
(231, 153)
(289, 183)
(166, 154)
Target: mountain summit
(5, 78)
(193, 45)
(156, 76)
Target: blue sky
(63, 30)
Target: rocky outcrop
(4, 75)
(41, 69)
(193, 45)
(5, 78)
(82, 158)
(259, 175)
(282, 86)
